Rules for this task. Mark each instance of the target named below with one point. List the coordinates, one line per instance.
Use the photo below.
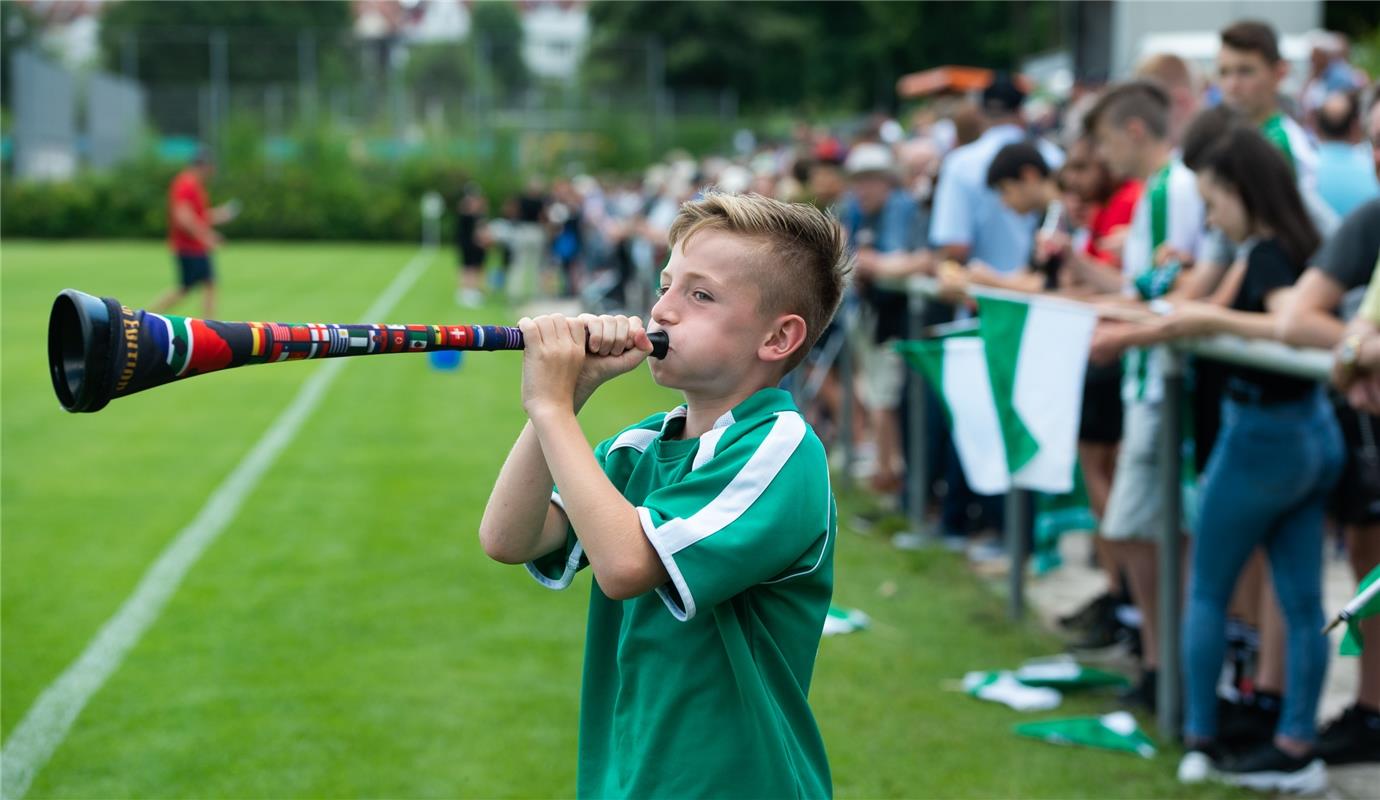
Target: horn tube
(99, 349)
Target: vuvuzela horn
(99, 350)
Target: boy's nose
(662, 313)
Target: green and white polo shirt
(699, 688)
(1169, 210)
(1298, 149)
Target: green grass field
(345, 636)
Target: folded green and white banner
(1365, 603)
(841, 620)
(1116, 731)
(1064, 672)
(1013, 391)
(1001, 686)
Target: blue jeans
(1266, 483)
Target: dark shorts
(1102, 409)
(471, 255)
(1356, 500)
(194, 269)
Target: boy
(1250, 70)
(1130, 125)
(710, 529)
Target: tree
(496, 30)
(842, 53)
(18, 29)
(172, 38)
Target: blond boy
(709, 529)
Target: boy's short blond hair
(801, 264)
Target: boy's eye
(702, 296)
(661, 290)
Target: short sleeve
(1349, 255)
(1188, 215)
(1216, 248)
(756, 511)
(1370, 304)
(952, 221)
(1267, 269)
(184, 191)
(1051, 153)
(557, 569)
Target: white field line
(34, 740)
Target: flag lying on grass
(1116, 731)
(1002, 687)
(1365, 606)
(844, 620)
(1063, 672)
(1013, 391)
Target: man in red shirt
(192, 234)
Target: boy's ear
(1281, 70)
(786, 336)
(1136, 129)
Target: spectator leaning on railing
(1131, 126)
(1345, 264)
(1268, 479)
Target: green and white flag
(1013, 391)
(1366, 603)
(842, 620)
(1115, 731)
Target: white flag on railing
(1013, 392)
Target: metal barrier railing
(1299, 362)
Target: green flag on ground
(1116, 731)
(1063, 672)
(1352, 642)
(844, 620)
(1001, 686)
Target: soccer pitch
(344, 635)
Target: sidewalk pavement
(1067, 588)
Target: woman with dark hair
(1268, 478)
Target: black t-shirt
(466, 225)
(1268, 268)
(530, 207)
(1349, 255)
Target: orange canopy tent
(949, 79)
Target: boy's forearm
(517, 509)
(1095, 275)
(623, 560)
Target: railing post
(845, 421)
(1017, 522)
(1168, 688)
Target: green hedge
(325, 184)
(283, 201)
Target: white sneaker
(1196, 767)
(1311, 780)
(471, 298)
(907, 540)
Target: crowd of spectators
(1213, 203)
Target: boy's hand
(558, 374)
(615, 345)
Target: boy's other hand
(564, 360)
(615, 345)
(552, 356)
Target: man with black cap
(970, 222)
(192, 234)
